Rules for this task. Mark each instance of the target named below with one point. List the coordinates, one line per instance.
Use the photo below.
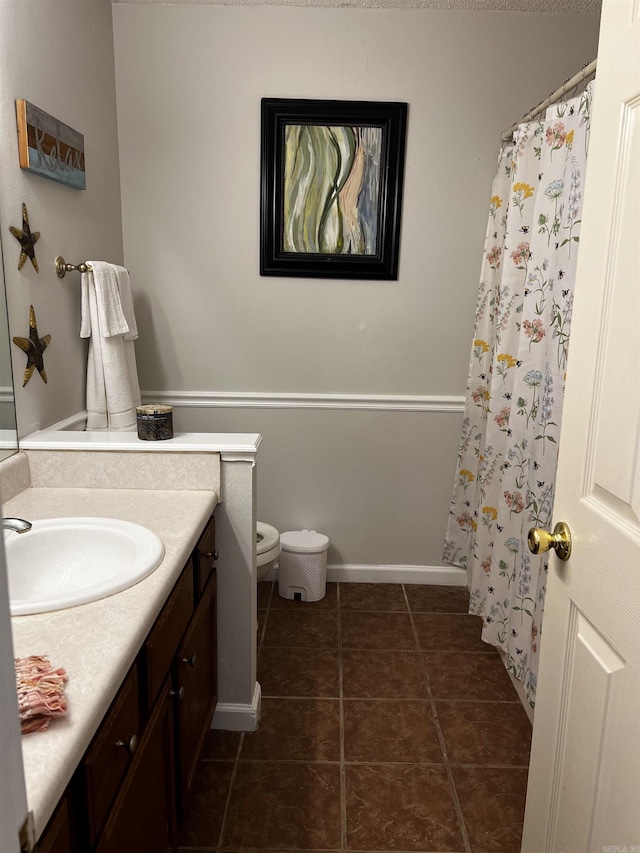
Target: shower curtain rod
(587, 71)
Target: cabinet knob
(191, 661)
(179, 693)
(131, 745)
(213, 554)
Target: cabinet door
(143, 816)
(111, 754)
(196, 685)
(161, 644)
(55, 838)
(204, 556)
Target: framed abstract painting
(331, 194)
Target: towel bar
(62, 267)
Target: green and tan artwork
(331, 189)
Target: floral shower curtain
(506, 470)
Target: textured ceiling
(565, 6)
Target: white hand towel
(115, 304)
(113, 391)
(85, 310)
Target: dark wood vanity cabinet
(195, 685)
(205, 556)
(57, 837)
(111, 754)
(134, 781)
(160, 647)
(142, 819)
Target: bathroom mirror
(8, 431)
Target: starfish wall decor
(34, 348)
(27, 239)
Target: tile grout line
(443, 746)
(369, 762)
(261, 633)
(343, 769)
(234, 773)
(271, 608)
(299, 850)
(236, 762)
(271, 594)
(390, 698)
(384, 648)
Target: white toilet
(268, 548)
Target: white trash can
(303, 565)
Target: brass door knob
(541, 540)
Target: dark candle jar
(155, 422)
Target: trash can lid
(303, 541)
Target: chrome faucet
(19, 525)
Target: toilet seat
(268, 538)
(267, 549)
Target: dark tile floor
(387, 725)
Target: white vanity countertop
(229, 445)
(97, 643)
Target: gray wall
(58, 54)
(7, 406)
(189, 83)
(377, 483)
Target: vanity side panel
(238, 693)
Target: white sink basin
(62, 562)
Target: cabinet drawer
(169, 628)
(110, 755)
(205, 556)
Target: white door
(584, 780)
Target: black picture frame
(378, 259)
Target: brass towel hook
(62, 267)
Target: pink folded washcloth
(40, 692)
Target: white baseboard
(434, 575)
(236, 717)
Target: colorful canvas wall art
(50, 148)
(332, 177)
(331, 189)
